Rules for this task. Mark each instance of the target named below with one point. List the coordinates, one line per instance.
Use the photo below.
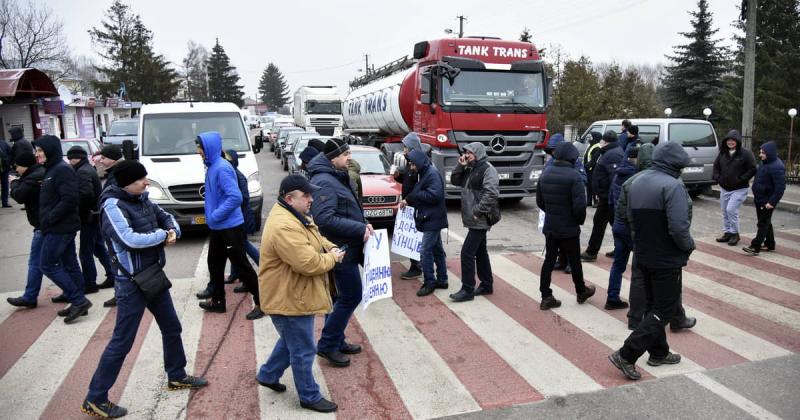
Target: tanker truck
(318, 108)
(454, 92)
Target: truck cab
(318, 108)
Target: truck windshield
(124, 128)
(495, 88)
(174, 134)
(317, 107)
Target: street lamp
(667, 112)
(707, 113)
(792, 114)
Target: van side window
(692, 135)
(648, 132)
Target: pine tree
(576, 95)
(273, 88)
(695, 81)
(526, 35)
(222, 78)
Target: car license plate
(693, 169)
(504, 176)
(378, 213)
(199, 220)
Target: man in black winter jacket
(25, 191)
(733, 169)
(59, 221)
(562, 196)
(21, 145)
(5, 168)
(602, 175)
(408, 178)
(91, 239)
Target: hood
(670, 157)
(234, 157)
(411, 140)
(555, 140)
(478, 149)
(51, 145)
(565, 151)
(308, 153)
(419, 159)
(771, 150)
(380, 185)
(211, 142)
(319, 165)
(596, 137)
(733, 134)
(16, 133)
(354, 166)
(645, 158)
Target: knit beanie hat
(128, 171)
(317, 144)
(335, 147)
(76, 152)
(26, 160)
(112, 151)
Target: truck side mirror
(548, 91)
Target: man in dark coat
(6, 158)
(623, 244)
(408, 178)
(91, 239)
(589, 162)
(768, 188)
(562, 196)
(430, 217)
(658, 212)
(21, 145)
(340, 218)
(60, 221)
(602, 175)
(622, 139)
(25, 191)
(733, 169)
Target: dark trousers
(251, 252)
(348, 296)
(59, 263)
(130, 309)
(622, 251)
(663, 293)
(473, 253)
(602, 217)
(572, 248)
(4, 187)
(765, 236)
(433, 252)
(224, 245)
(637, 298)
(92, 245)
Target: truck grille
(186, 192)
(372, 200)
(519, 146)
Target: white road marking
(732, 397)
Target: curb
(783, 205)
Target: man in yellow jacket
(294, 286)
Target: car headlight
(254, 184)
(535, 175)
(156, 191)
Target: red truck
(454, 92)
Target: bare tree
(31, 36)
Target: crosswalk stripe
(786, 248)
(790, 235)
(755, 275)
(427, 385)
(599, 324)
(6, 309)
(788, 271)
(775, 257)
(22, 327)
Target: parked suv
(696, 136)
(175, 169)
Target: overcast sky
(324, 41)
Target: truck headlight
(535, 175)
(254, 184)
(155, 191)
(447, 176)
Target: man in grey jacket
(658, 212)
(479, 211)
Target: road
(498, 356)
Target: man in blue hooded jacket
(224, 217)
(768, 187)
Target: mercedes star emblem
(202, 191)
(497, 144)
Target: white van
(697, 137)
(167, 149)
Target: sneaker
(768, 249)
(411, 274)
(211, 306)
(587, 257)
(255, 314)
(615, 304)
(483, 290)
(21, 303)
(750, 250)
(685, 324)
(277, 386)
(628, 369)
(442, 285)
(724, 238)
(240, 289)
(107, 284)
(587, 293)
(110, 303)
(59, 299)
(321, 406)
(462, 296)
(669, 359)
(549, 302)
(336, 358)
(610, 254)
(349, 348)
(426, 290)
(77, 311)
(733, 240)
(106, 410)
(189, 382)
(204, 294)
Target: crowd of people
(314, 235)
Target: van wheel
(694, 193)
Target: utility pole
(748, 96)
(461, 19)
(366, 63)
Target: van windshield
(692, 135)
(174, 134)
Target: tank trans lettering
(495, 51)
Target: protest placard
(406, 241)
(376, 280)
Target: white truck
(318, 108)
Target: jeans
(765, 236)
(622, 252)
(348, 296)
(4, 186)
(294, 348)
(663, 291)
(130, 309)
(251, 252)
(572, 248)
(433, 252)
(474, 251)
(729, 203)
(60, 264)
(602, 217)
(224, 245)
(92, 245)
(34, 282)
